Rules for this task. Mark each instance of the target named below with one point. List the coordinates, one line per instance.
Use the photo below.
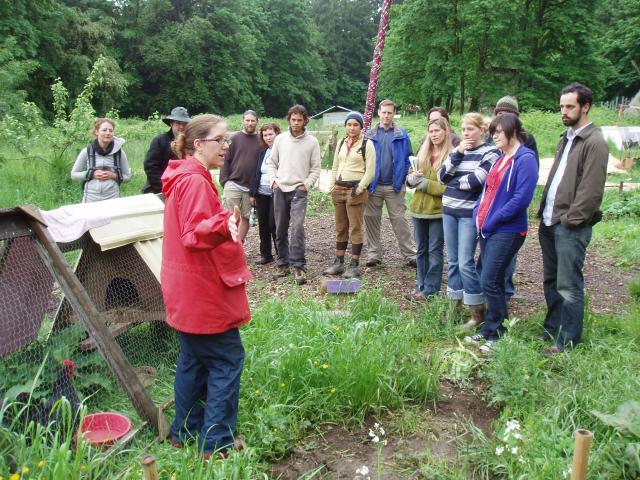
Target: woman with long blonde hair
(426, 209)
(464, 173)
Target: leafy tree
(347, 33)
(620, 43)
(13, 75)
(479, 50)
(292, 64)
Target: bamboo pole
(581, 454)
(149, 468)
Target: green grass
(342, 359)
(46, 183)
(306, 363)
(550, 398)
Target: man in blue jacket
(393, 149)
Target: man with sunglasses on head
(239, 169)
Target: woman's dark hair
(510, 125)
(269, 126)
(300, 110)
(441, 110)
(198, 127)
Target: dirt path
(336, 452)
(605, 284)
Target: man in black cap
(160, 152)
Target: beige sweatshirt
(295, 161)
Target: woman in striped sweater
(464, 173)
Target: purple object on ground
(341, 286)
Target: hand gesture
(233, 222)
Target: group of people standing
(468, 190)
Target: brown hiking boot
(477, 317)
(281, 272)
(336, 269)
(298, 274)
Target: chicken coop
(80, 299)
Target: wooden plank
(95, 325)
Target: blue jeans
(496, 252)
(461, 238)
(563, 253)
(509, 287)
(429, 236)
(290, 208)
(207, 389)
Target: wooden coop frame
(78, 304)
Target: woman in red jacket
(203, 280)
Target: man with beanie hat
(509, 104)
(160, 151)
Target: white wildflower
(499, 450)
(514, 450)
(376, 425)
(512, 425)
(371, 434)
(517, 436)
(381, 431)
(375, 439)
(363, 470)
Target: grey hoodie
(96, 190)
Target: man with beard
(569, 209)
(239, 169)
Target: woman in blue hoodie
(501, 219)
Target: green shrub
(634, 289)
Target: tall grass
(550, 398)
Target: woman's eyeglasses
(219, 141)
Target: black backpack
(91, 164)
(363, 147)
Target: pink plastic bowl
(105, 428)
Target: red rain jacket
(203, 271)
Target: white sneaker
(477, 338)
(488, 346)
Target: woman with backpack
(354, 165)
(102, 166)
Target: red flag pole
(377, 60)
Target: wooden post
(621, 187)
(94, 324)
(149, 468)
(581, 454)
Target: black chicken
(51, 411)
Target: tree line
(230, 55)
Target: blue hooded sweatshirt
(508, 211)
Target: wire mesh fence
(46, 351)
